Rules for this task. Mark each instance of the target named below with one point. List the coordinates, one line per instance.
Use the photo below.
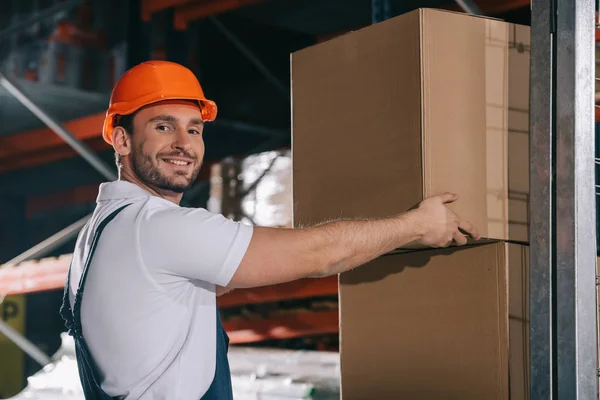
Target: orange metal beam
(488, 7)
(34, 276)
(149, 7)
(42, 145)
(491, 7)
(79, 195)
(84, 128)
(205, 8)
(50, 274)
(282, 327)
(501, 6)
(301, 289)
(25, 160)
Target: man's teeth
(177, 162)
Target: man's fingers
(448, 197)
(459, 238)
(469, 229)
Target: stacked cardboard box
(519, 51)
(423, 103)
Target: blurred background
(59, 61)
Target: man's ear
(121, 141)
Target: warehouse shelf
(186, 11)
(290, 326)
(41, 145)
(61, 102)
(25, 142)
(494, 7)
(300, 289)
(34, 276)
(49, 274)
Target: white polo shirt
(149, 307)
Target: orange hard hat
(151, 82)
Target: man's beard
(148, 171)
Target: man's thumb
(449, 197)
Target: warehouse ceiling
(254, 107)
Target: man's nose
(182, 140)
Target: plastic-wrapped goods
(276, 374)
(256, 374)
(71, 57)
(117, 63)
(57, 380)
(256, 190)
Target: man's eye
(162, 127)
(193, 132)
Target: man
(148, 327)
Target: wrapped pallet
(256, 190)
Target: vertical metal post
(541, 202)
(469, 6)
(270, 76)
(575, 201)
(380, 10)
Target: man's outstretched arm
(280, 255)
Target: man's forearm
(277, 255)
(348, 244)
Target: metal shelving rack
(563, 309)
(63, 103)
(563, 305)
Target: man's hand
(439, 226)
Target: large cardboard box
(411, 107)
(437, 324)
(519, 48)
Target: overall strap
(79, 294)
(220, 388)
(72, 317)
(88, 370)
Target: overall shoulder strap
(72, 317)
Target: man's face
(167, 146)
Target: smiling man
(148, 326)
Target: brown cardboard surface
(401, 110)
(435, 325)
(356, 109)
(518, 132)
(518, 314)
(453, 79)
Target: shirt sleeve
(192, 243)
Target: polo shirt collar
(118, 190)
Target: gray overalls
(220, 387)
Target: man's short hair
(125, 122)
